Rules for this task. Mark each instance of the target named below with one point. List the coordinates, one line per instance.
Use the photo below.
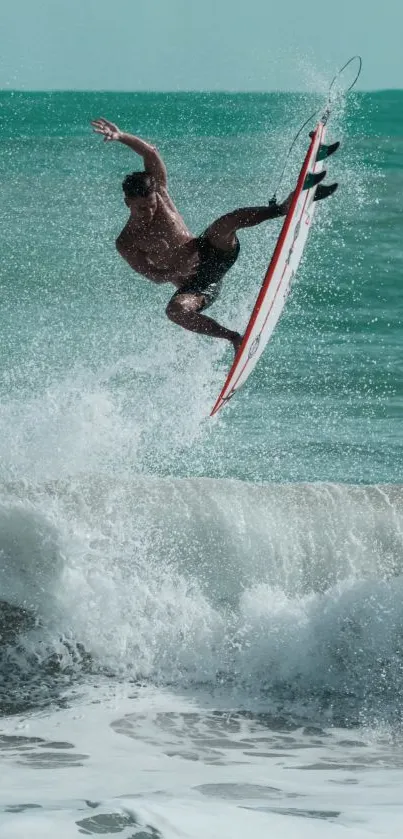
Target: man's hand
(109, 130)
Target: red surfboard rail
(291, 231)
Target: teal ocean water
(325, 404)
(217, 594)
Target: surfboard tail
(326, 151)
(314, 178)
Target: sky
(197, 44)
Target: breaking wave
(286, 594)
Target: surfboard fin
(314, 178)
(326, 151)
(324, 190)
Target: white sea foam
(292, 592)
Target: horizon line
(188, 91)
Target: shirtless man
(157, 244)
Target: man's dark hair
(138, 185)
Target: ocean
(201, 619)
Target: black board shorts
(214, 264)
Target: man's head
(140, 195)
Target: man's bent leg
(183, 309)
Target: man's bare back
(156, 242)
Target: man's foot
(236, 341)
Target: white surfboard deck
(279, 276)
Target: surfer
(157, 244)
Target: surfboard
(282, 269)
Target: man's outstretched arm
(153, 163)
